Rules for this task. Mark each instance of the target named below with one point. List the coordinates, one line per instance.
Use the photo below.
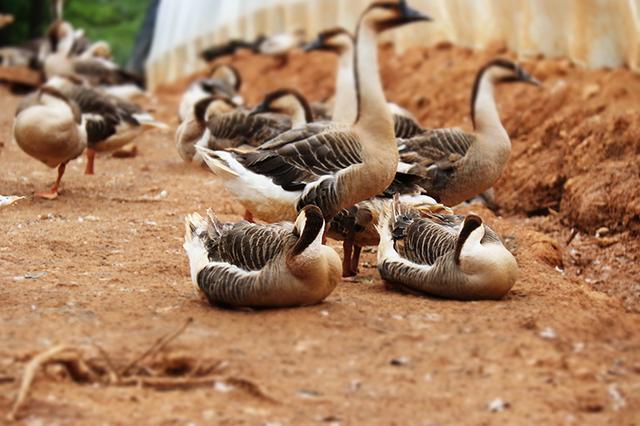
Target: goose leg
(355, 259)
(248, 216)
(91, 155)
(347, 248)
(53, 193)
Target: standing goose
(48, 126)
(110, 122)
(443, 255)
(456, 165)
(356, 225)
(223, 80)
(246, 264)
(340, 42)
(331, 165)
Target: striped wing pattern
(239, 128)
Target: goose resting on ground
(331, 165)
(443, 255)
(223, 80)
(454, 165)
(246, 264)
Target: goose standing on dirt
(341, 42)
(331, 165)
(246, 264)
(223, 80)
(213, 124)
(48, 126)
(110, 122)
(456, 166)
(443, 255)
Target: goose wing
(424, 239)
(239, 128)
(435, 155)
(101, 71)
(405, 127)
(250, 246)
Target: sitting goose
(223, 80)
(341, 42)
(443, 255)
(110, 122)
(331, 165)
(48, 126)
(456, 165)
(245, 264)
(215, 125)
(356, 226)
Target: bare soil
(103, 265)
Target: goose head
(309, 228)
(335, 40)
(288, 102)
(505, 71)
(481, 256)
(227, 74)
(61, 36)
(212, 105)
(385, 15)
(99, 49)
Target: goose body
(49, 127)
(246, 264)
(457, 165)
(332, 165)
(448, 256)
(110, 122)
(341, 42)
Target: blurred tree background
(115, 21)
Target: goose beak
(409, 15)
(314, 45)
(260, 108)
(528, 78)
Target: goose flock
(357, 169)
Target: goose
(223, 80)
(456, 165)
(340, 41)
(449, 256)
(48, 126)
(213, 125)
(331, 165)
(251, 265)
(110, 122)
(356, 225)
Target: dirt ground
(103, 265)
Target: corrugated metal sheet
(593, 33)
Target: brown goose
(443, 255)
(356, 225)
(456, 165)
(110, 122)
(341, 42)
(48, 126)
(331, 165)
(246, 264)
(223, 80)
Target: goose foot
(347, 250)
(53, 193)
(91, 155)
(355, 259)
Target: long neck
(298, 116)
(484, 112)
(345, 104)
(372, 110)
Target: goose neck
(344, 109)
(484, 112)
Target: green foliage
(115, 21)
